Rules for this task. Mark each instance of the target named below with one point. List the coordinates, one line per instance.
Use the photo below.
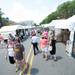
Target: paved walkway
(5, 67)
(65, 65)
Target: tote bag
(50, 48)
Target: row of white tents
(63, 23)
(59, 23)
(6, 30)
(14, 27)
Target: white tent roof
(71, 22)
(11, 28)
(28, 27)
(71, 19)
(45, 25)
(61, 24)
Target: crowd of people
(16, 50)
(47, 44)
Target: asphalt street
(64, 65)
(5, 67)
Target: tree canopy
(65, 10)
(4, 20)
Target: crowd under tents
(60, 27)
(68, 28)
(14, 30)
(6, 30)
(14, 27)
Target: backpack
(18, 47)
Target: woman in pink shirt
(44, 46)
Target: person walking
(10, 51)
(44, 46)
(34, 41)
(1, 38)
(52, 42)
(19, 55)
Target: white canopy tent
(11, 28)
(70, 43)
(60, 24)
(48, 25)
(71, 19)
(71, 23)
(28, 27)
(6, 30)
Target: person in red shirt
(1, 38)
(44, 46)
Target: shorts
(45, 49)
(11, 60)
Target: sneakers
(17, 69)
(55, 59)
(20, 73)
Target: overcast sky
(22, 10)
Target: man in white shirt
(34, 42)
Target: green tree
(5, 21)
(1, 13)
(50, 17)
(72, 8)
(65, 10)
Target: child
(44, 46)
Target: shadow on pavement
(34, 71)
(59, 57)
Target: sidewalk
(64, 65)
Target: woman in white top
(10, 51)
